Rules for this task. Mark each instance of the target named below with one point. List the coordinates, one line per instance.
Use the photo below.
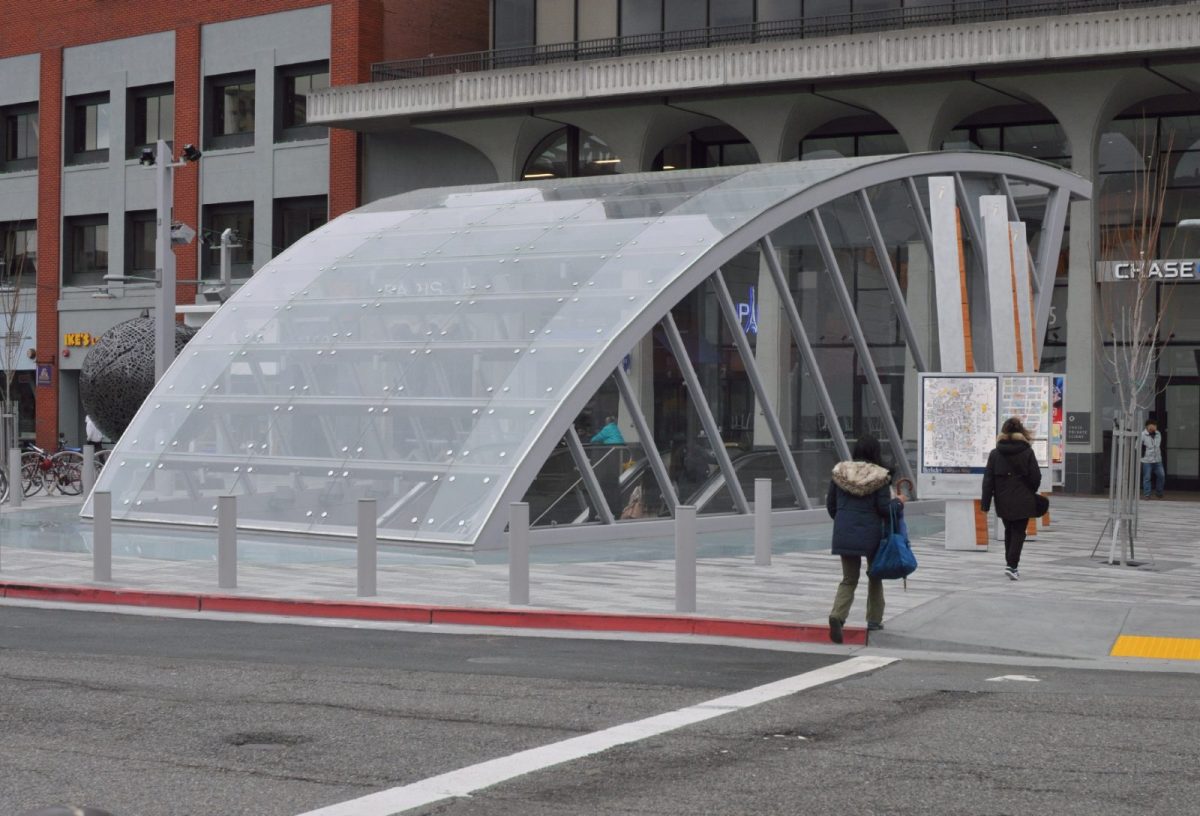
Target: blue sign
(748, 314)
(45, 374)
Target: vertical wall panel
(555, 21)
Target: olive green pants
(851, 567)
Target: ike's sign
(1172, 271)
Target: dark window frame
(17, 163)
(135, 98)
(70, 273)
(213, 95)
(29, 273)
(74, 153)
(285, 129)
(300, 204)
(135, 220)
(242, 262)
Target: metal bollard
(518, 553)
(685, 558)
(102, 536)
(762, 522)
(15, 494)
(88, 476)
(227, 542)
(368, 548)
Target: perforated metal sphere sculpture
(119, 372)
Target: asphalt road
(147, 716)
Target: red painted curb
(415, 613)
(95, 595)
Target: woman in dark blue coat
(859, 502)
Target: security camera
(147, 158)
(190, 153)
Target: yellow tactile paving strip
(1163, 648)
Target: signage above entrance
(1169, 270)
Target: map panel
(958, 415)
(1029, 397)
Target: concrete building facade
(1110, 91)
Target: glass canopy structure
(436, 350)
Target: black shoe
(835, 630)
(874, 627)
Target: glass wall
(569, 153)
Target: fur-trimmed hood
(1015, 437)
(860, 478)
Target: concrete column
(641, 377)
(917, 298)
(999, 289)
(773, 356)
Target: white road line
(466, 781)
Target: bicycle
(3, 486)
(62, 470)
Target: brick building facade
(57, 58)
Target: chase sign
(1170, 271)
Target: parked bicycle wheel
(67, 469)
(3, 486)
(32, 476)
(101, 458)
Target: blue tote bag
(894, 558)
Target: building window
(18, 253)
(151, 117)
(297, 217)
(87, 129)
(141, 236)
(571, 152)
(295, 83)
(85, 261)
(218, 218)
(19, 132)
(513, 23)
(231, 110)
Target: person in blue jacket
(859, 502)
(610, 434)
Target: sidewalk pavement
(1067, 604)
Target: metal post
(227, 542)
(762, 522)
(89, 469)
(102, 536)
(164, 259)
(518, 553)
(227, 246)
(685, 558)
(367, 548)
(15, 493)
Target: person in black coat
(1012, 478)
(859, 501)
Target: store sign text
(79, 339)
(1179, 271)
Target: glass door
(1179, 423)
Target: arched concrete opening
(712, 146)
(570, 152)
(866, 134)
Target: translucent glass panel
(415, 350)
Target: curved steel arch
(648, 239)
(1061, 183)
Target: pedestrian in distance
(1012, 478)
(1153, 474)
(93, 433)
(860, 503)
(610, 434)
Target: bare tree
(1133, 318)
(13, 319)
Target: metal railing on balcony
(947, 13)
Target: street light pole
(164, 257)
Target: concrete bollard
(762, 522)
(227, 542)
(102, 536)
(15, 494)
(685, 558)
(368, 548)
(88, 476)
(518, 553)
